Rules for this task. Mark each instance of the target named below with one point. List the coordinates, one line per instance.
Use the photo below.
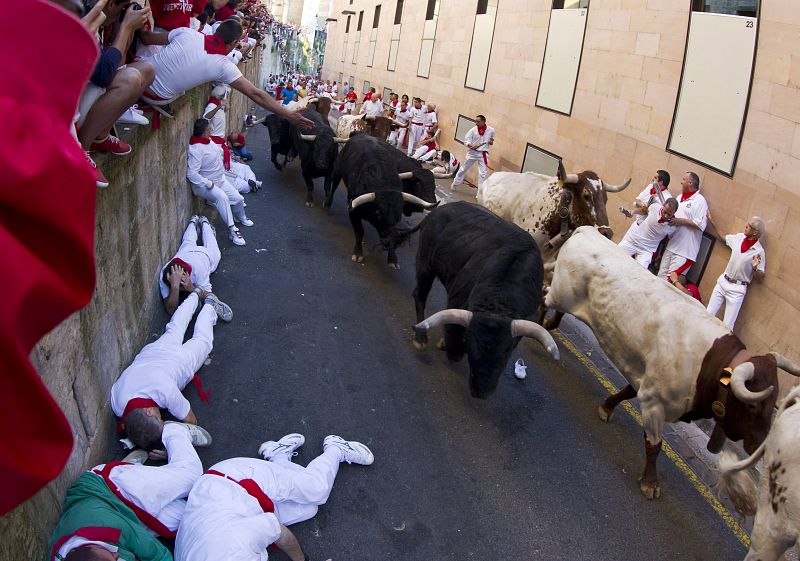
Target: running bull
(681, 363)
(493, 274)
(375, 194)
(317, 149)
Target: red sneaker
(111, 144)
(99, 179)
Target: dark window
(482, 5)
(430, 12)
(360, 20)
(748, 8)
(377, 18)
(570, 4)
(398, 12)
(347, 27)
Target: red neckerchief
(747, 244)
(214, 100)
(684, 196)
(214, 45)
(482, 130)
(182, 263)
(199, 140)
(394, 104)
(661, 216)
(132, 405)
(653, 190)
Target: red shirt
(224, 13)
(367, 96)
(172, 14)
(694, 291)
(351, 96)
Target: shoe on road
(236, 236)
(285, 446)
(111, 144)
(223, 311)
(352, 452)
(243, 220)
(198, 435)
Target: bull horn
(407, 197)
(571, 178)
(450, 315)
(362, 116)
(525, 328)
(443, 175)
(786, 364)
(406, 175)
(362, 199)
(313, 100)
(742, 374)
(309, 137)
(615, 188)
(338, 140)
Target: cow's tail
(736, 480)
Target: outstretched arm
(261, 98)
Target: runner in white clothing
(402, 116)
(478, 140)
(689, 222)
(747, 262)
(649, 194)
(162, 369)
(372, 107)
(242, 505)
(416, 129)
(642, 239)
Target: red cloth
(252, 489)
(226, 152)
(747, 244)
(133, 405)
(47, 219)
(199, 140)
(171, 14)
(91, 533)
(198, 6)
(214, 100)
(351, 96)
(482, 130)
(685, 196)
(694, 292)
(144, 517)
(215, 46)
(224, 13)
(182, 263)
(367, 96)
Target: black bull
(317, 150)
(492, 272)
(375, 193)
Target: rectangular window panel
(340, 78)
(386, 93)
(747, 8)
(366, 86)
(352, 83)
(712, 99)
(394, 47)
(398, 12)
(360, 20)
(570, 4)
(540, 161)
(462, 128)
(377, 17)
(428, 37)
(481, 49)
(695, 273)
(356, 43)
(562, 59)
(371, 52)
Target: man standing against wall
(417, 126)
(478, 140)
(689, 222)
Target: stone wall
(624, 101)
(139, 222)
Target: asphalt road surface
(322, 345)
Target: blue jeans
(243, 153)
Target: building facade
(621, 87)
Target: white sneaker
(244, 221)
(198, 435)
(236, 236)
(352, 452)
(223, 311)
(286, 446)
(133, 117)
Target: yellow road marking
(679, 462)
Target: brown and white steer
(776, 503)
(549, 208)
(673, 353)
(378, 126)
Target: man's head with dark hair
(144, 427)
(445, 157)
(404, 98)
(200, 126)
(91, 552)
(230, 31)
(371, 89)
(663, 177)
(480, 120)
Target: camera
(132, 6)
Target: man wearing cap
(478, 140)
(747, 262)
(690, 221)
(162, 369)
(116, 510)
(242, 505)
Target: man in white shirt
(190, 59)
(431, 119)
(642, 238)
(242, 505)
(649, 194)
(206, 174)
(162, 369)
(403, 116)
(748, 261)
(478, 140)
(416, 130)
(689, 223)
(372, 107)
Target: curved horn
(313, 100)
(615, 188)
(786, 364)
(338, 140)
(450, 315)
(362, 199)
(742, 374)
(406, 175)
(417, 201)
(443, 175)
(525, 328)
(309, 137)
(571, 178)
(362, 117)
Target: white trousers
(162, 491)
(731, 295)
(424, 154)
(417, 133)
(642, 256)
(210, 248)
(242, 173)
(671, 262)
(397, 137)
(225, 197)
(483, 169)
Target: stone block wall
(139, 221)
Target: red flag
(47, 204)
